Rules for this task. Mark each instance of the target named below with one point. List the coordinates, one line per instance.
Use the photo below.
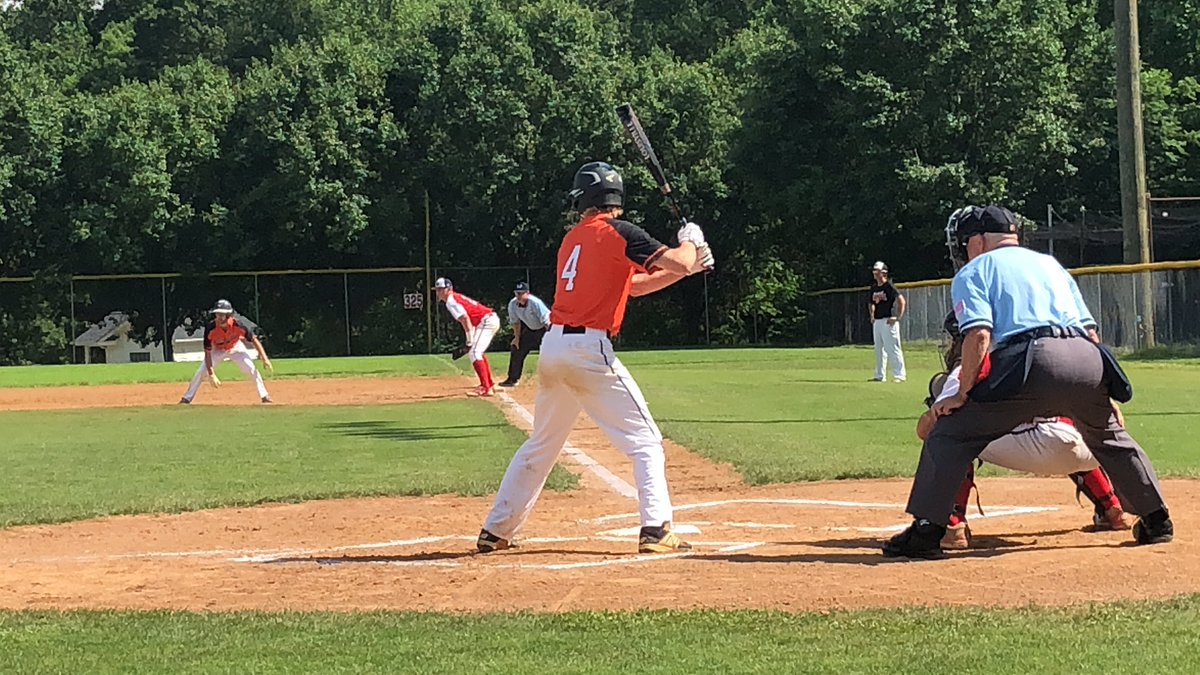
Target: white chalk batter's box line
(325, 555)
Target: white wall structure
(112, 335)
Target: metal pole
(1082, 234)
(428, 284)
(71, 330)
(346, 301)
(168, 354)
(257, 317)
(707, 337)
(1050, 226)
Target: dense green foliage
(200, 135)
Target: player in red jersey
(602, 261)
(479, 323)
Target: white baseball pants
(481, 337)
(1043, 449)
(240, 356)
(887, 348)
(580, 372)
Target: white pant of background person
(1045, 448)
(240, 356)
(887, 348)
(580, 371)
(481, 337)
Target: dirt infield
(793, 547)
(330, 391)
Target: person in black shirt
(886, 308)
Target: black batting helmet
(972, 220)
(597, 184)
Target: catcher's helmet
(222, 307)
(972, 220)
(950, 325)
(597, 184)
(952, 345)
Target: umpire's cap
(521, 287)
(972, 220)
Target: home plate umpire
(1046, 360)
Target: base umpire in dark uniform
(1045, 360)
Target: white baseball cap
(879, 266)
(442, 282)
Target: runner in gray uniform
(1024, 309)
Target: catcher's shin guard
(959, 515)
(1095, 485)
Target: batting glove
(705, 261)
(691, 232)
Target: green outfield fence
(1136, 306)
(331, 312)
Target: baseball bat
(638, 135)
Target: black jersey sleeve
(207, 339)
(641, 248)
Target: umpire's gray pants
(1066, 379)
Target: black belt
(579, 330)
(1047, 332)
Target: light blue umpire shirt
(535, 314)
(1013, 289)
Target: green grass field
(811, 414)
(778, 415)
(66, 465)
(1132, 638)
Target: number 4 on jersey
(569, 270)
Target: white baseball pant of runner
(1043, 449)
(481, 337)
(580, 372)
(240, 356)
(887, 348)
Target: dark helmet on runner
(597, 184)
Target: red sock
(1097, 488)
(959, 515)
(481, 371)
(487, 372)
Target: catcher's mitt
(459, 352)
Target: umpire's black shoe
(1154, 528)
(922, 539)
(508, 383)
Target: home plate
(635, 531)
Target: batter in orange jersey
(602, 261)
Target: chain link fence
(1118, 299)
(297, 313)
